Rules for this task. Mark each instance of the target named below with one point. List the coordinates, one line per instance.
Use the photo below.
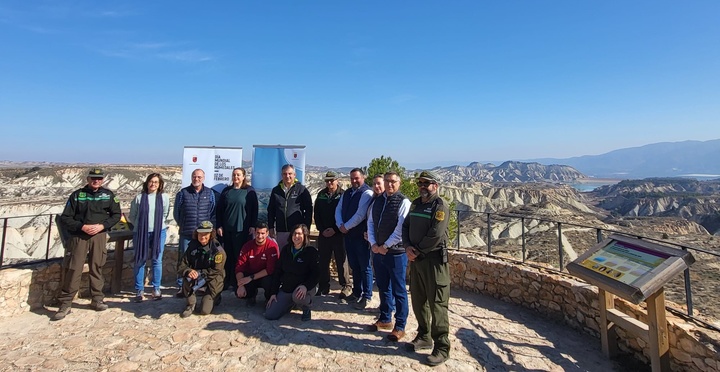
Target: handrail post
(47, 247)
(560, 245)
(522, 230)
(2, 242)
(688, 289)
(489, 235)
(457, 218)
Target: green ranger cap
(429, 176)
(96, 173)
(205, 227)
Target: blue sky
(425, 82)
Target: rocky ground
(486, 335)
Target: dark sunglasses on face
(424, 183)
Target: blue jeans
(390, 271)
(139, 270)
(183, 242)
(358, 255)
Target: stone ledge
(575, 303)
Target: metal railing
(489, 216)
(493, 217)
(48, 239)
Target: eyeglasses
(425, 183)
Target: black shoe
(361, 305)
(322, 292)
(61, 313)
(418, 344)
(436, 359)
(352, 299)
(179, 293)
(306, 315)
(345, 292)
(188, 311)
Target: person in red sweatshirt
(256, 264)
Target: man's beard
(425, 194)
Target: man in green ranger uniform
(425, 236)
(89, 213)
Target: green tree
(386, 164)
(409, 188)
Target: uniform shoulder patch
(440, 215)
(116, 200)
(218, 258)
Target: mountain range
(697, 159)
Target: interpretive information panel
(630, 268)
(624, 262)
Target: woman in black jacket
(296, 276)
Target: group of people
(373, 232)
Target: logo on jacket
(440, 215)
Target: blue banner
(267, 167)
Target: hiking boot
(436, 359)
(396, 335)
(188, 311)
(379, 326)
(98, 306)
(361, 305)
(345, 292)
(306, 315)
(61, 313)
(140, 296)
(351, 299)
(418, 344)
(157, 294)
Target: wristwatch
(252, 276)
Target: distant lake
(592, 184)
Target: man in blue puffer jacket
(193, 204)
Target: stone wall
(560, 297)
(32, 287)
(555, 296)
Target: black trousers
(232, 243)
(327, 247)
(252, 288)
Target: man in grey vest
(385, 219)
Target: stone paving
(486, 335)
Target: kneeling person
(203, 265)
(256, 264)
(295, 278)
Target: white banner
(216, 162)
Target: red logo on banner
(194, 158)
(294, 155)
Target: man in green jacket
(89, 214)
(425, 236)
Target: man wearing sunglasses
(89, 213)
(425, 236)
